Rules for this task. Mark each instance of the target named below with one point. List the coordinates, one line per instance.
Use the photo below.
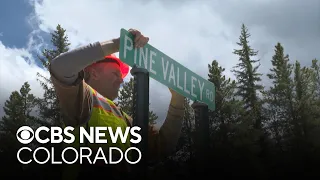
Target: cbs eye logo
(25, 134)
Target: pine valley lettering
(168, 72)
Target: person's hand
(176, 98)
(174, 93)
(139, 39)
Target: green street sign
(167, 71)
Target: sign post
(202, 137)
(141, 118)
(172, 74)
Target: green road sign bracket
(167, 71)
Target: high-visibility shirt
(104, 113)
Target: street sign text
(167, 71)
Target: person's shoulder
(74, 100)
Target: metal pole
(141, 118)
(202, 136)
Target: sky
(191, 32)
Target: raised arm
(67, 66)
(163, 142)
(67, 77)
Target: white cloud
(15, 70)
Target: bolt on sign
(167, 71)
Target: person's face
(107, 79)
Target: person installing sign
(87, 80)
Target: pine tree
(314, 133)
(247, 134)
(49, 105)
(316, 67)
(17, 110)
(280, 96)
(125, 101)
(185, 147)
(248, 78)
(307, 108)
(227, 107)
(49, 109)
(17, 113)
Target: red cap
(124, 68)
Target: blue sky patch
(15, 28)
